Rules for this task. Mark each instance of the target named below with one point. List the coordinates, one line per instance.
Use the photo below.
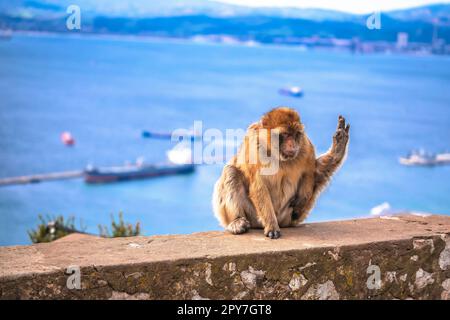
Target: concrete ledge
(332, 260)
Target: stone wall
(400, 257)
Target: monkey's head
(285, 123)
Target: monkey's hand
(300, 207)
(340, 138)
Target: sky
(354, 6)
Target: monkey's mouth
(288, 155)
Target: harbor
(105, 175)
(41, 177)
(106, 126)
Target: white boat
(443, 157)
(291, 91)
(425, 159)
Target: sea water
(105, 91)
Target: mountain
(176, 18)
(166, 8)
(431, 13)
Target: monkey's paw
(272, 233)
(340, 138)
(238, 226)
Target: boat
(421, 158)
(165, 135)
(134, 171)
(180, 154)
(296, 92)
(67, 138)
(156, 135)
(443, 158)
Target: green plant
(52, 228)
(120, 229)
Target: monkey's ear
(265, 121)
(298, 126)
(302, 127)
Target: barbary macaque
(281, 191)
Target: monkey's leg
(260, 197)
(326, 165)
(230, 201)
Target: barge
(133, 172)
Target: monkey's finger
(347, 128)
(341, 122)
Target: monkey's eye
(283, 136)
(298, 135)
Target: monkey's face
(289, 143)
(285, 123)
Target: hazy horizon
(155, 8)
(349, 6)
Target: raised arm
(328, 163)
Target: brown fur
(244, 198)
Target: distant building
(438, 46)
(402, 40)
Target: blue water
(105, 91)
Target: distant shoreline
(204, 41)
